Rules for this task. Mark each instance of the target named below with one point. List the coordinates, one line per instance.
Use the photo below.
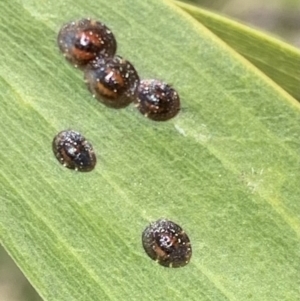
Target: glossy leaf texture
(277, 59)
(226, 169)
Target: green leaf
(278, 60)
(226, 169)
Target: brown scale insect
(84, 40)
(73, 151)
(157, 100)
(166, 242)
(113, 81)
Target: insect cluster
(91, 46)
(113, 80)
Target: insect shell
(73, 151)
(113, 81)
(166, 242)
(82, 41)
(157, 100)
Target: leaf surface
(278, 60)
(226, 169)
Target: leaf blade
(84, 229)
(275, 58)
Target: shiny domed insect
(166, 242)
(157, 100)
(73, 151)
(113, 81)
(83, 40)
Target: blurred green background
(279, 17)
